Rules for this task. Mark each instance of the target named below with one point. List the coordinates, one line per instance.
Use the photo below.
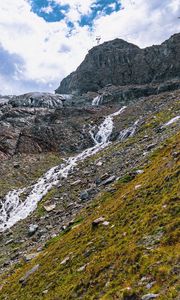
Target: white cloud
(49, 53)
(142, 22)
(47, 9)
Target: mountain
(121, 63)
(89, 187)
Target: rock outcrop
(121, 63)
(36, 130)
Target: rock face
(36, 130)
(120, 63)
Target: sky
(42, 41)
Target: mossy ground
(138, 247)
(22, 170)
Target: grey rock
(24, 279)
(96, 222)
(32, 229)
(28, 257)
(150, 147)
(150, 284)
(84, 195)
(16, 166)
(149, 296)
(108, 180)
(9, 242)
(64, 261)
(49, 208)
(76, 182)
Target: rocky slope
(120, 63)
(123, 246)
(76, 199)
(89, 189)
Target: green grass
(141, 241)
(30, 169)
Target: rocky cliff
(121, 63)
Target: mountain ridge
(121, 63)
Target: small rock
(48, 227)
(108, 180)
(71, 204)
(99, 164)
(32, 229)
(104, 176)
(81, 269)
(97, 221)
(49, 208)
(76, 182)
(111, 190)
(64, 261)
(175, 154)
(105, 223)
(28, 257)
(63, 227)
(53, 235)
(149, 285)
(84, 195)
(24, 279)
(145, 278)
(9, 242)
(139, 171)
(6, 263)
(149, 296)
(138, 186)
(39, 249)
(16, 166)
(151, 146)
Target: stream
(14, 209)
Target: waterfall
(13, 208)
(97, 100)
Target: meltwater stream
(97, 100)
(13, 208)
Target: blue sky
(52, 11)
(42, 41)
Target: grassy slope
(30, 168)
(140, 241)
